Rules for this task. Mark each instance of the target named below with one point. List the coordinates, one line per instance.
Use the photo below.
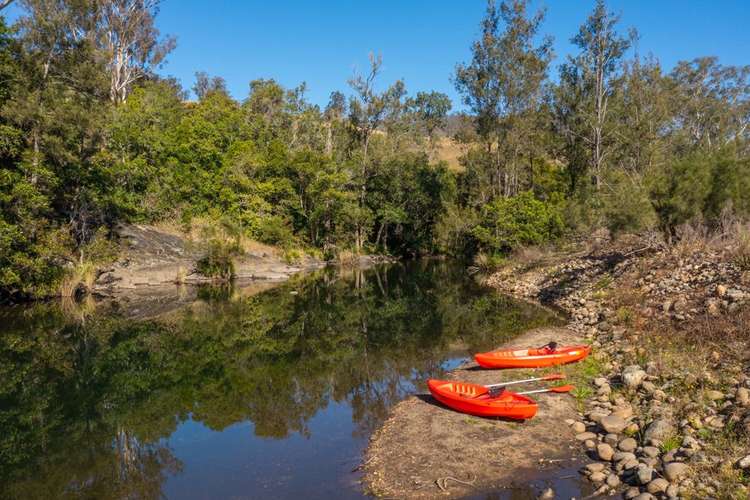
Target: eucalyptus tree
(502, 85)
(127, 35)
(60, 104)
(368, 111)
(642, 111)
(430, 110)
(591, 77)
(711, 102)
(205, 84)
(333, 114)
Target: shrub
(454, 231)
(582, 211)
(219, 260)
(741, 252)
(273, 230)
(730, 187)
(625, 204)
(509, 223)
(292, 256)
(678, 192)
(699, 186)
(485, 263)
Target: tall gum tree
(368, 111)
(591, 76)
(502, 86)
(129, 39)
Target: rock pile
(645, 431)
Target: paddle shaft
(556, 376)
(564, 388)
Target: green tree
(502, 85)
(509, 223)
(368, 110)
(588, 83)
(430, 110)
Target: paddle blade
(562, 388)
(554, 376)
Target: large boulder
(660, 429)
(632, 376)
(674, 471)
(613, 424)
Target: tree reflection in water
(90, 398)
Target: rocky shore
(668, 413)
(154, 257)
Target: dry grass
(181, 275)
(731, 234)
(701, 354)
(78, 310)
(80, 278)
(201, 229)
(449, 151)
(693, 238)
(741, 247)
(487, 264)
(532, 257)
(346, 257)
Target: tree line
(91, 135)
(613, 141)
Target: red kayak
(548, 355)
(476, 399)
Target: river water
(271, 395)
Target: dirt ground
(426, 450)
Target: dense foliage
(616, 142)
(91, 135)
(90, 139)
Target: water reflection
(95, 403)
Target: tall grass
(79, 279)
(741, 250)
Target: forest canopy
(92, 135)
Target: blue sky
(322, 42)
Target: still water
(271, 395)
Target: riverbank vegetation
(676, 316)
(92, 136)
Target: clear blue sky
(321, 42)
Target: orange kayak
(532, 358)
(476, 399)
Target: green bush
(454, 231)
(625, 204)
(678, 191)
(219, 260)
(292, 256)
(699, 186)
(582, 210)
(273, 230)
(509, 223)
(730, 186)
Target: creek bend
(233, 396)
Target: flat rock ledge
(424, 449)
(152, 257)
